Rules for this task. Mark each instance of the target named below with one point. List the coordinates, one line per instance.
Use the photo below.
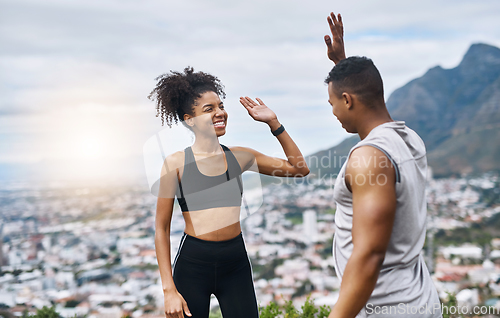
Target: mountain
(455, 111)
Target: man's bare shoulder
(369, 158)
(367, 168)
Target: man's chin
(350, 130)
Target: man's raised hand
(335, 44)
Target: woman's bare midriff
(215, 224)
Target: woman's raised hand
(259, 112)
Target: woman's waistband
(212, 251)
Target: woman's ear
(189, 120)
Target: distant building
(47, 243)
(112, 312)
(2, 262)
(485, 274)
(495, 243)
(1, 250)
(7, 298)
(93, 275)
(429, 176)
(468, 298)
(294, 269)
(272, 218)
(16, 257)
(495, 254)
(310, 226)
(464, 251)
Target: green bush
(216, 314)
(47, 312)
(324, 311)
(309, 310)
(273, 310)
(270, 311)
(290, 311)
(451, 301)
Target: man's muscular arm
(371, 179)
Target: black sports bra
(197, 191)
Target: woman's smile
(219, 124)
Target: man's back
(404, 285)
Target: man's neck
(367, 125)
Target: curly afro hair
(175, 93)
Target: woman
(205, 177)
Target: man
(380, 222)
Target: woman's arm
(174, 302)
(294, 166)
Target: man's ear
(348, 100)
(189, 120)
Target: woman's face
(209, 115)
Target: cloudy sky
(75, 74)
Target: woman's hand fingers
(249, 103)
(175, 305)
(175, 314)
(260, 101)
(185, 308)
(245, 103)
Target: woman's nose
(219, 112)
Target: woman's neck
(209, 145)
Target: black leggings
(202, 268)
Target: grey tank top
(404, 287)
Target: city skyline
(90, 250)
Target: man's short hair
(358, 76)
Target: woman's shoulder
(175, 160)
(245, 156)
(242, 152)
